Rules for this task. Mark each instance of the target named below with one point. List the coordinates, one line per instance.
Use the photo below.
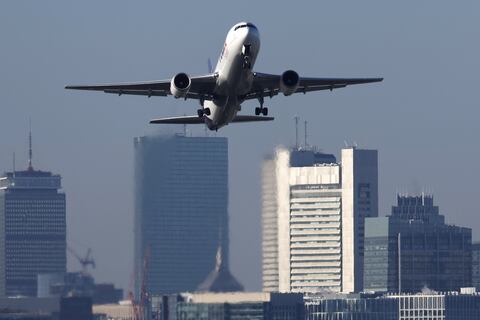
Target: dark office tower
(414, 249)
(476, 265)
(32, 229)
(181, 210)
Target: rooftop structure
(220, 279)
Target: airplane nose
(250, 35)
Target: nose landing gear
(247, 64)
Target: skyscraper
(32, 229)
(181, 209)
(476, 265)
(414, 248)
(313, 211)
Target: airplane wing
(201, 87)
(198, 120)
(268, 85)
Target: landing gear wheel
(265, 111)
(257, 111)
(200, 113)
(206, 111)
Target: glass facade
(432, 254)
(236, 306)
(476, 265)
(33, 230)
(181, 209)
(452, 306)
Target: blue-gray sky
(423, 118)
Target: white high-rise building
(313, 212)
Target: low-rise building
(431, 305)
(228, 306)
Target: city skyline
(422, 118)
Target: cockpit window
(250, 25)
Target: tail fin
(210, 66)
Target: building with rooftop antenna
(313, 211)
(32, 228)
(414, 248)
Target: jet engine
(289, 82)
(180, 85)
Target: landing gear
(246, 62)
(261, 110)
(202, 112)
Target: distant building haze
(181, 211)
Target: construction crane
(140, 307)
(84, 261)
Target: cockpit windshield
(250, 25)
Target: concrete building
(432, 254)
(181, 210)
(33, 229)
(476, 265)
(229, 306)
(431, 306)
(313, 211)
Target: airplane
(224, 89)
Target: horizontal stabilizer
(241, 118)
(197, 120)
(180, 120)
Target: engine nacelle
(289, 82)
(180, 85)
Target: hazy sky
(423, 118)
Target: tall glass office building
(181, 210)
(414, 249)
(32, 230)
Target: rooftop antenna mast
(306, 144)
(30, 156)
(296, 132)
(14, 164)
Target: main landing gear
(202, 112)
(261, 110)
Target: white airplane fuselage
(234, 77)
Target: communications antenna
(30, 153)
(296, 132)
(13, 164)
(306, 144)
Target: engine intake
(180, 85)
(289, 82)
